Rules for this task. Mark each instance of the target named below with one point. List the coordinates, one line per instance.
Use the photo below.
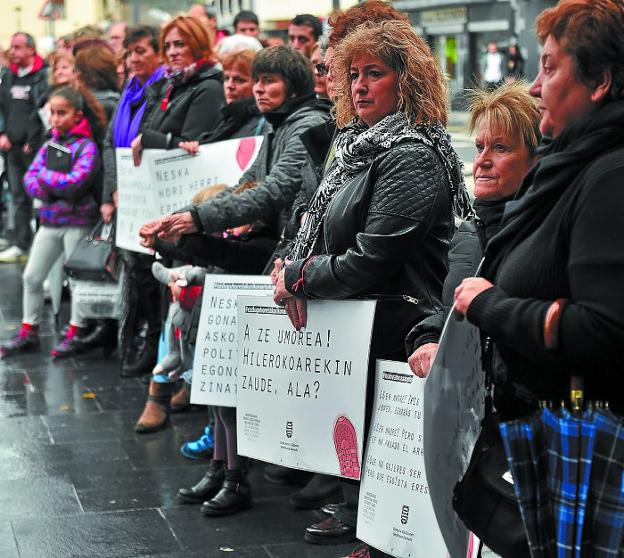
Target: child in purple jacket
(68, 211)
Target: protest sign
(216, 350)
(301, 394)
(166, 181)
(395, 513)
(454, 407)
(136, 200)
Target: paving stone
(37, 497)
(8, 545)
(130, 534)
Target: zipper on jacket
(390, 298)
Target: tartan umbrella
(568, 472)
(604, 523)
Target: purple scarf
(126, 124)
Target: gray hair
(30, 40)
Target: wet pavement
(76, 481)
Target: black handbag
(484, 499)
(95, 257)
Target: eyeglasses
(321, 69)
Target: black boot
(321, 490)
(235, 496)
(144, 364)
(103, 335)
(278, 474)
(207, 487)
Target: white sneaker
(13, 254)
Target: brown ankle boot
(181, 401)
(156, 412)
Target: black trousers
(17, 165)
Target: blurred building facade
(459, 31)
(274, 15)
(45, 19)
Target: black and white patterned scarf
(357, 148)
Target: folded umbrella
(568, 472)
(528, 462)
(569, 441)
(604, 523)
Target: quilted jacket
(276, 171)
(464, 257)
(67, 198)
(385, 236)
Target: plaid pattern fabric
(569, 442)
(604, 524)
(527, 458)
(569, 479)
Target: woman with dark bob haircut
(550, 295)
(284, 93)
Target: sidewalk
(76, 481)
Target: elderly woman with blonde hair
(507, 124)
(380, 222)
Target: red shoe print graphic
(345, 441)
(245, 151)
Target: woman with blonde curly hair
(379, 224)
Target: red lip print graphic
(345, 442)
(246, 148)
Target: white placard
(454, 407)
(216, 350)
(167, 180)
(301, 394)
(136, 200)
(395, 513)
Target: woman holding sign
(188, 100)
(181, 106)
(380, 222)
(550, 295)
(284, 93)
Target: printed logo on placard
(404, 515)
(289, 429)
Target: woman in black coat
(182, 106)
(551, 292)
(186, 103)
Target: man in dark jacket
(20, 90)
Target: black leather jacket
(385, 236)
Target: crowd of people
(356, 192)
